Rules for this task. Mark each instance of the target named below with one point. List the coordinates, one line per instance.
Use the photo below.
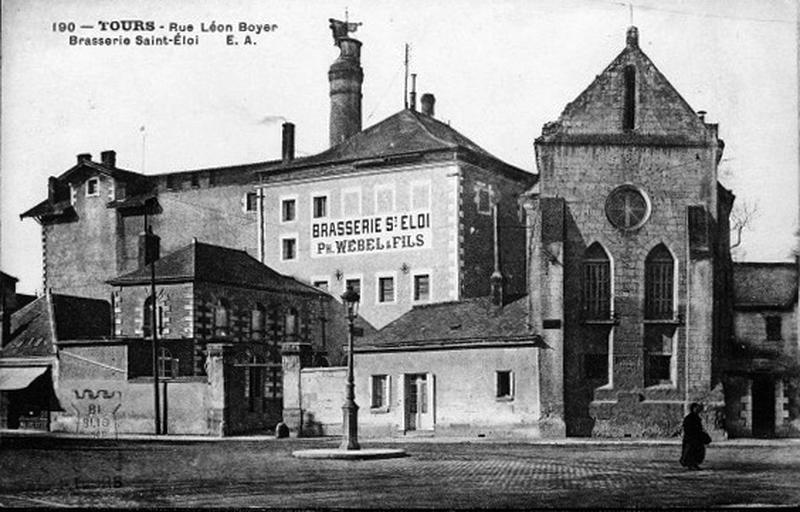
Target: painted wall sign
(373, 234)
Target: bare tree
(742, 217)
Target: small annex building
(468, 367)
(29, 357)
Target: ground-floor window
(379, 388)
(504, 384)
(659, 367)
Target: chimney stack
(52, 189)
(413, 100)
(109, 158)
(84, 157)
(427, 103)
(345, 76)
(702, 115)
(632, 37)
(287, 152)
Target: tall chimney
(426, 104)
(345, 76)
(287, 152)
(498, 292)
(109, 158)
(52, 189)
(413, 100)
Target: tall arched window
(222, 318)
(258, 322)
(596, 283)
(659, 284)
(290, 323)
(629, 114)
(147, 317)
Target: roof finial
(632, 37)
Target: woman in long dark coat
(694, 439)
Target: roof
(662, 116)
(453, 323)
(200, 262)
(7, 277)
(39, 325)
(764, 285)
(405, 133)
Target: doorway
(763, 399)
(419, 402)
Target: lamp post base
(350, 426)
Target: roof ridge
(416, 117)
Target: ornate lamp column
(350, 409)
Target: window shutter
(432, 397)
(401, 402)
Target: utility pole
(150, 256)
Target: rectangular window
(251, 202)
(195, 180)
(629, 115)
(505, 384)
(422, 289)
(384, 199)
(92, 187)
(213, 178)
(421, 195)
(351, 202)
(597, 290)
(355, 284)
(773, 326)
(320, 207)
(322, 285)
(484, 201)
(658, 348)
(380, 392)
(289, 249)
(288, 210)
(386, 289)
(255, 386)
(172, 182)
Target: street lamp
(350, 299)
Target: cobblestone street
(460, 475)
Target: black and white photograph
(327, 254)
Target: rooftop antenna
(630, 8)
(144, 143)
(405, 83)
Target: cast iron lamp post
(350, 409)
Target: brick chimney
(109, 158)
(287, 152)
(632, 37)
(345, 76)
(427, 103)
(84, 157)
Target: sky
(499, 70)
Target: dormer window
(92, 187)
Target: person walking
(695, 439)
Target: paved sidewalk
(567, 441)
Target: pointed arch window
(659, 284)
(596, 283)
(222, 318)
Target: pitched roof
(661, 113)
(200, 262)
(764, 285)
(36, 327)
(405, 133)
(7, 277)
(454, 323)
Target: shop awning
(12, 378)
